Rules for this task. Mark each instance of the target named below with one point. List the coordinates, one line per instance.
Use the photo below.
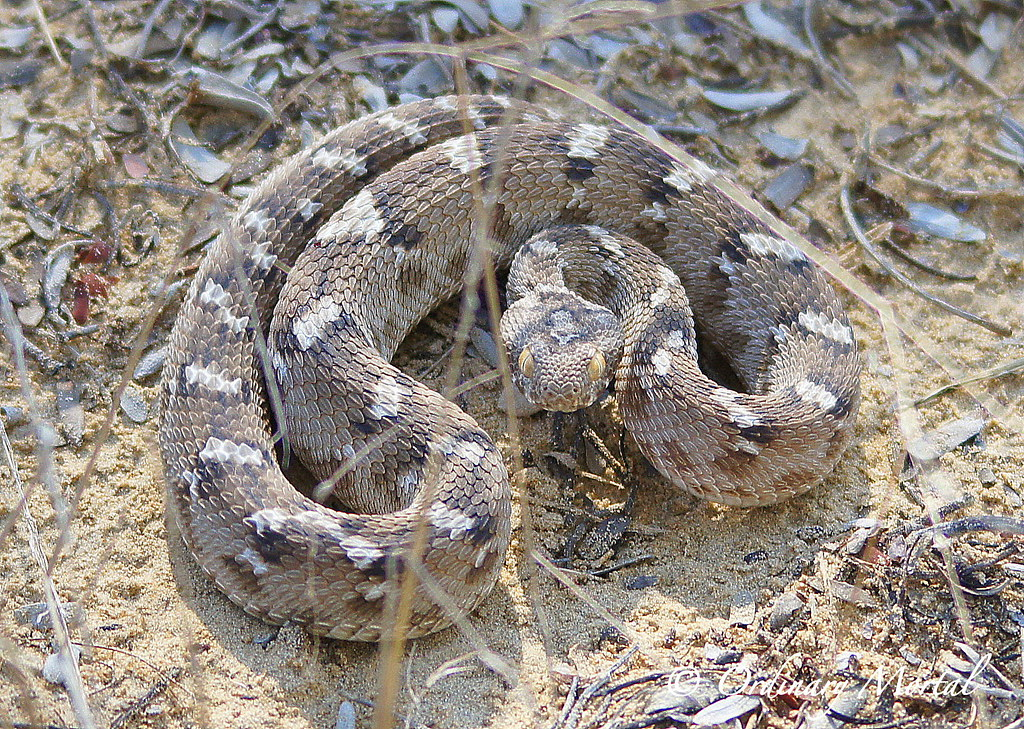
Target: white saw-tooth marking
(446, 102)
(388, 394)
(252, 558)
(212, 379)
(476, 117)
(224, 315)
(214, 294)
(684, 176)
(407, 128)
(277, 361)
(218, 450)
(463, 153)
(764, 245)
(741, 415)
(779, 334)
(446, 518)
(347, 160)
(257, 221)
(311, 326)
(409, 482)
(465, 112)
(656, 212)
(678, 341)
(543, 247)
(607, 242)
(587, 140)
(748, 446)
(726, 265)
(702, 171)
(662, 361)
(680, 179)
(579, 196)
(669, 285)
(815, 394)
(358, 219)
(308, 208)
(397, 254)
(261, 256)
(361, 550)
(191, 479)
(832, 329)
(276, 520)
(661, 295)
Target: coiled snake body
(401, 202)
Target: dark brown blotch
(761, 433)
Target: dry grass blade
(999, 370)
(872, 250)
(67, 657)
(1010, 191)
(44, 26)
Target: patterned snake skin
(354, 241)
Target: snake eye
(526, 365)
(596, 367)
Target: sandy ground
(161, 647)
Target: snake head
(562, 349)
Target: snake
(280, 353)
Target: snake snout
(562, 379)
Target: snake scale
(331, 261)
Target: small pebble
(847, 662)
(685, 696)
(15, 289)
(725, 710)
(909, 656)
(14, 414)
(70, 412)
(56, 670)
(758, 555)
(150, 363)
(721, 656)
(509, 13)
(946, 437)
(31, 314)
(640, 582)
(786, 607)
(788, 148)
(789, 185)
(940, 222)
(563, 673)
(134, 405)
(37, 614)
(743, 608)
(346, 716)
(57, 267)
(864, 529)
